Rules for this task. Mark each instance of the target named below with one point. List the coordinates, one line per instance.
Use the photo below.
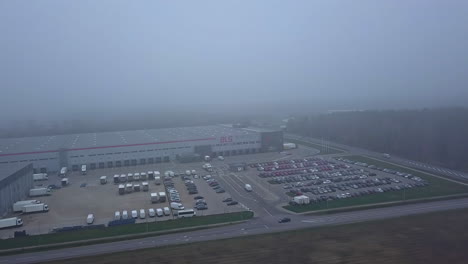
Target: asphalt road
(402, 161)
(258, 225)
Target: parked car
(284, 220)
(232, 203)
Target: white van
(134, 214)
(151, 212)
(90, 219)
(117, 215)
(142, 213)
(167, 211)
(159, 212)
(124, 214)
(177, 206)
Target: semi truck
(157, 180)
(10, 222)
(64, 181)
(150, 175)
(40, 177)
(35, 208)
(154, 198)
(143, 176)
(121, 189)
(162, 196)
(83, 169)
(145, 186)
(116, 178)
(103, 179)
(18, 206)
(63, 171)
(39, 192)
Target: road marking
(266, 226)
(267, 211)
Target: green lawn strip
(323, 149)
(71, 236)
(437, 187)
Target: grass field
(323, 149)
(436, 187)
(428, 238)
(123, 230)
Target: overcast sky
(63, 57)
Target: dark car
(220, 191)
(232, 203)
(284, 220)
(227, 200)
(198, 197)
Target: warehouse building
(129, 148)
(15, 182)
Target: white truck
(301, 199)
(18, 206)
(154, 198)
(10, 222)
(103, 179)
(63, 171)
(40, 177)
(39, 192)
(143, 176)
(162, 197)
(90, 219)
(123, 178)
(34, 208)
(177, 206)
(121, 189)
(157, 180)
(116, 178)
(248, 188)
(145, 186)
(64, 181)
(83, 169)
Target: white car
(134, 214)
(142, 213)
(125, 214)
(151, 212)
(167, 211)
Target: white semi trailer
(40, 177)
(18, 206)
(83, 169)
(34, 208)
(11, 222)
(39, 192)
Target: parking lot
(324, 179)
(70, 205)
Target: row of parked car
(173, 194)
(319, 178)
(142, 213)
(190, 185)
(214, 184)
(390, 171)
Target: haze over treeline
(60, 59)
(435, 136)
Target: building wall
(224, 145)
(15, 188)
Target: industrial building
(129, 148)
(15, 182)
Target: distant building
(15, 183)
(129, 148)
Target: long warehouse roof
(31, 145)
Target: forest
(436, 136)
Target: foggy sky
(65, 57)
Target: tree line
(436, 136)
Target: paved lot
(70, 205)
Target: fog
(63, 59)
